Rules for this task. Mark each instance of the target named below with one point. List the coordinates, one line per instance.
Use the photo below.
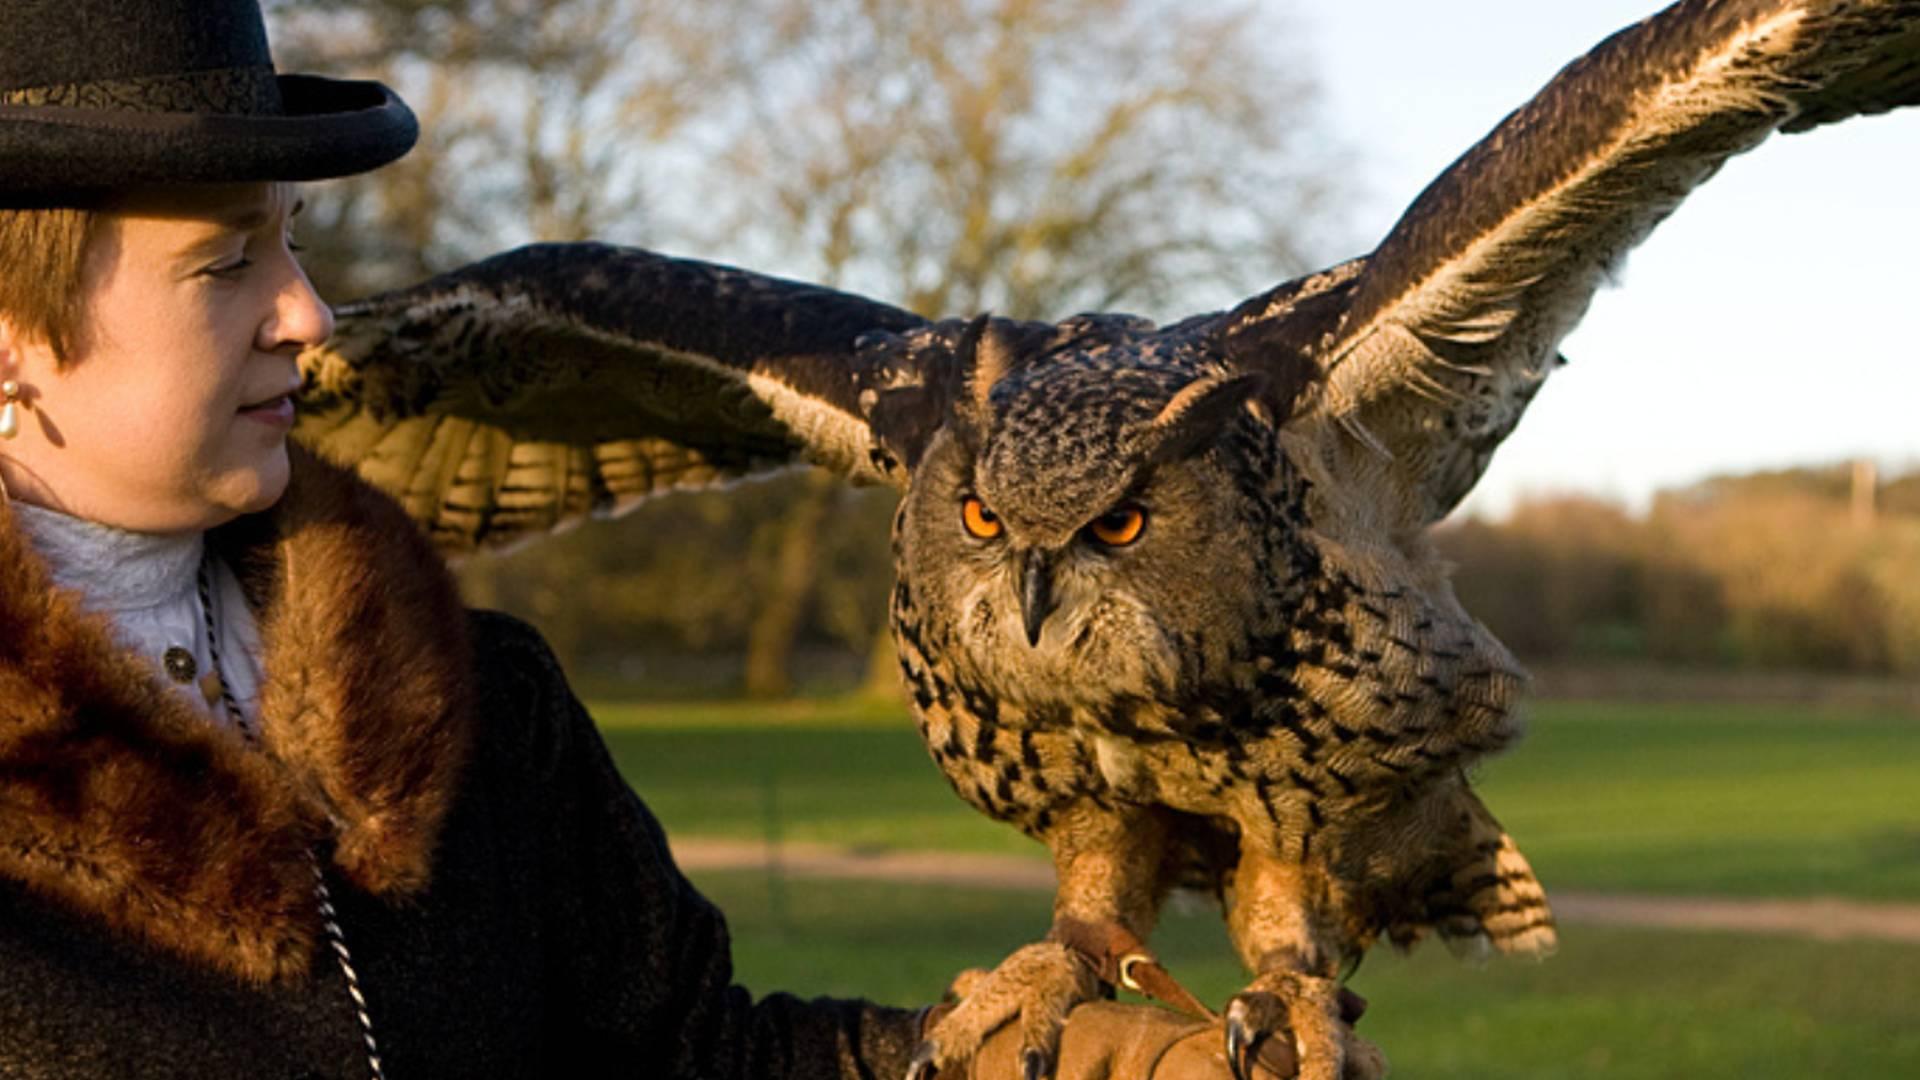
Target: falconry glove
(1105, 1040)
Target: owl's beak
(1036, 593)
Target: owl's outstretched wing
(1432, 348)
(537, 387)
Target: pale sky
(1773, 320)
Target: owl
(1164, 597)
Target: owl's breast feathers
(1356, 699)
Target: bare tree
(536, 116)
(1032, 158)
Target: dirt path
(1825, 920)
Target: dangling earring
(10, 411)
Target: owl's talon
(1238, 1042)
(1032, 989)
(922, 1065)
(1296, 1024)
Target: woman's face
(173, 410)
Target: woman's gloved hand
(1105, 1040)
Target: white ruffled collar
(148, 584)
(116, 570)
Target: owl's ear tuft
(986, 355)
(1193, 418)
(956, 382)
(988, 351)
(1273, 348)
(960, 364)
(976, 364)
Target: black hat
(98, 94)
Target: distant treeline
(784, 583)
(1811, 568)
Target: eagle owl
(1137, 622)
(1164, 599)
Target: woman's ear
(24, 357)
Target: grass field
(1615, 1004)
(1733, 800)
(1695, 799)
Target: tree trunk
(770, 639)
(882, 682)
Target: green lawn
(1618, 1004)
(1734, 799)
(1678, 799)
(1684, 799)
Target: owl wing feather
(1450, 326)
(558, 381)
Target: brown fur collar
(119, 802)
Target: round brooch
(180, 665)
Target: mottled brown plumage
(1164, 596)
(1259, 695)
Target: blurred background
(1705, 539)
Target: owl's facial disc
(1080, 542)
(1107, 604)
(1045, 578)
(1111, 531)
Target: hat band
(242, 91)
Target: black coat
(510, 906)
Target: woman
(271, 802)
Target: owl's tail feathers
(1502, 902)
(1495, 903)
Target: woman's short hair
(43, 258)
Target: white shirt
(148, 585)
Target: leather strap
(1120, 958)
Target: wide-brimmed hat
(100, 94)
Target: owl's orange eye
(980, 521)
(1119, 527)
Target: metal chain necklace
(330, 918)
